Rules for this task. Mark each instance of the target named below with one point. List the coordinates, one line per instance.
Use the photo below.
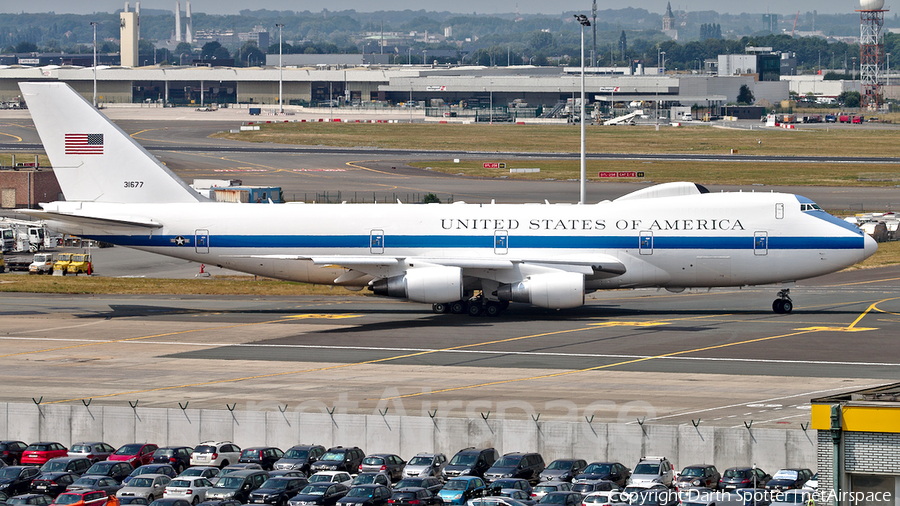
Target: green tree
(183, 47)
(26, 47)
(209, 49)
(850, 98)
(431, 199)
(745, 96)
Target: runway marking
(131, 339)
(325, 316)
(475, 352)
(838, 329)
(628, 324)
(16, 137)
(866, 282)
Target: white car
(215, 453)
(605, 498)
(341, 477)
(148, 486)
(191, 489)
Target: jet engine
(555, 291)
(423, 284)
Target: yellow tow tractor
(81, 262)
(61, 264)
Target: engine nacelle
(424, 284)
(555, 291)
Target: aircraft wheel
(776, 306)
(787, 306)
(440, 307)
(493, 309)
(475, 309)
(458, 307)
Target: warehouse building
(859, 446)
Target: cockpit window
(812, 206)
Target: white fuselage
(714, 239)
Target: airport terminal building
(470, 86)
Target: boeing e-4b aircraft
(673, 235)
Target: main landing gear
(783, 304)
(476, 306)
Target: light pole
(663, 53)
(94, 25)
(409, 56)
(584, 21)
(280, 70)
(888, 68)
(492, 103)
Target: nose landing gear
(783, 304)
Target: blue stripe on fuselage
(478, 241)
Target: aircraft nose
(870, 246)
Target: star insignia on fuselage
(180, 241)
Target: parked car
(387, 463)
(93, 451)
(341, 477)
(699, 475)
(15, 480)
(414, 497)
(366, 495)
(754, 496)
(77, 465)
(339, 458)
(605, 498)
(653, 470)
(81, 498)
(517, 495)
(208, 472)
(164, 469)
(52, 484)
(39, 453)
(233, 468)
(300, 457)
(265, 456)
(286, 473)
(460, 489)
(785, 498)
(191, 489)
(702, 496)
(179, 457)
(238, 485)
(813, 482)
(11, 452)
(371, 479)
(522, 484)
(278, 491)
(102, 483)
(220, 502)
(215, 453)
(136, 454)
(743, 477)
(151, 486)
(528, 466)
(470, 462)
(429, 483)
(564, 498)
(133, 500)
(116, 470)
(319, 494)
(548, 487)
(170, 502)
(563, 470)
(494, 501)
(786, 479)
(587, 487)
(425, 464)
(29, 500)
(612, 471)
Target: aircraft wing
(388, 265)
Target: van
(470, 461)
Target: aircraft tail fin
(92, 158)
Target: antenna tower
(871, 52)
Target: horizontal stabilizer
(92, 221)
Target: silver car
(653, 471)
(91, 450)
(148, 486)
(425, 464)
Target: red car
(136, 454)
(39, 453)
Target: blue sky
(462, 6)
